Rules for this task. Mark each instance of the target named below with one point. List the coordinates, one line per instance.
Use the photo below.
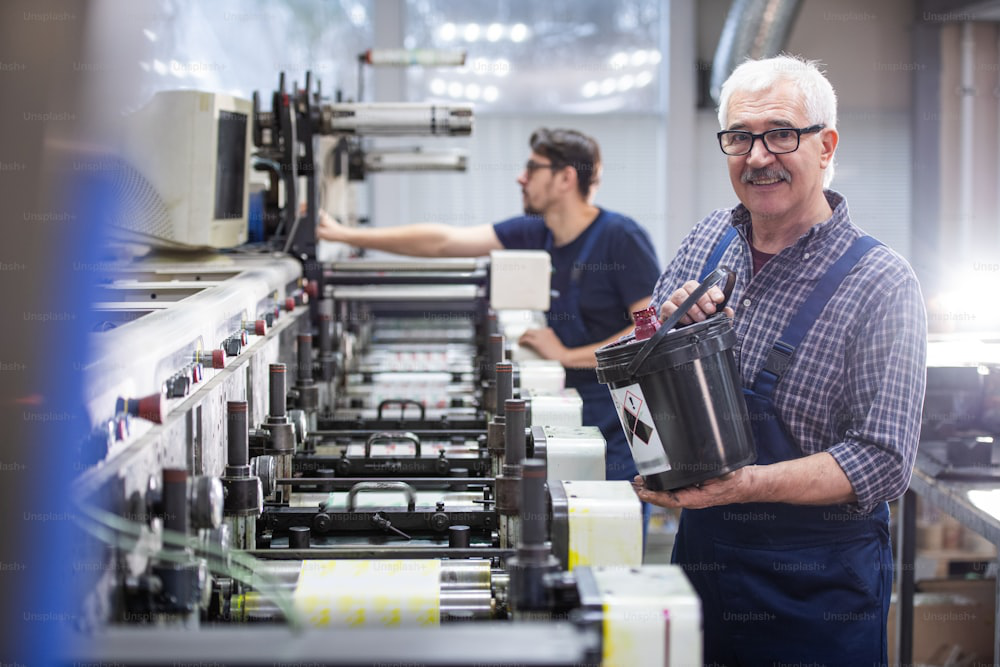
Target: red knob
(218, 358)
(290, 304)
(260, 327)
(312, 288)
(152, 408)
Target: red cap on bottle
(646, 323)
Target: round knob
(322, 522)
(206, 501)
(265, 469)
(439, 521)
(300, 424)
(152, 408)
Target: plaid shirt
(856, 386)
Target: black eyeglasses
(531, 166)
(778, 141)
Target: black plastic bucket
(680, 399)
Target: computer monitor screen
(230, 165)
(185, 165)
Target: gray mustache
(763, 174)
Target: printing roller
(373, 593)
(396, 119)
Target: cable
(125, 534)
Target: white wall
(866, 50)
(666, 171)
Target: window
(566, 56)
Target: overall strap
(573, 331)
(783, 351)
(595, 229)
(713, 260)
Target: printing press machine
(344, 455)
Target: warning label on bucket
(647, 450)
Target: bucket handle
(671, 322)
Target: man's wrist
(756, 482)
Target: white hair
(818, 97)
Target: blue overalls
(784, 583)
(566, 320)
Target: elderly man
(791, 556)
(604, 266)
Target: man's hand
(733, 487)
(329, 229)
(702, 308)
(545, 343)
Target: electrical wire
(125, 534)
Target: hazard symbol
(636, 428)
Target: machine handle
(390, 436)
(402, 403)
(411, 494)
(671, 322)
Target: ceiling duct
(753, 29)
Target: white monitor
(187, 161)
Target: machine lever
(389, 437)
(385, 524)
(411, 494)
(402, 403)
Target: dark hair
(569, 148)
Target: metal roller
(397, 119)
(463, 589)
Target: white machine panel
(652, 617)
(605, 524)
(574, 452)
(520, 280)
(541, 375)
(555, 408)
